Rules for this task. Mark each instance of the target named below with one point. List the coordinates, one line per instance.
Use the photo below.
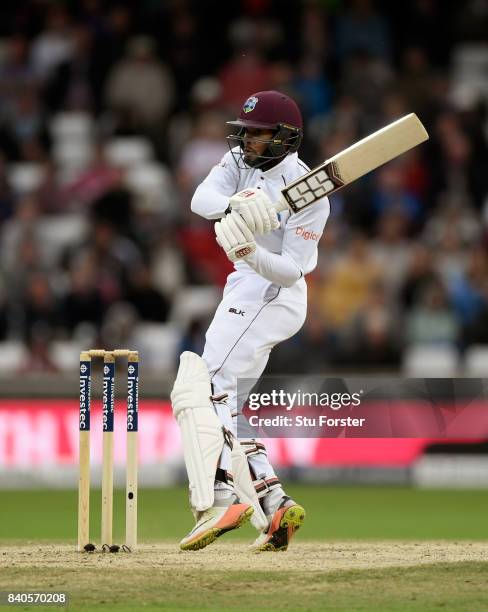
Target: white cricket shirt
(286, 254)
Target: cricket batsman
(264, 303)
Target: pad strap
(224, 476)
(228, 437)
(264, 485)
(253, 447)
(221, 398)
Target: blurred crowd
(111, 113)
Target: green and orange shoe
(284, 523)
(216, 521)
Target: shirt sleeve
(299, 251)
(279, 269)
(211, 198)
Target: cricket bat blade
(354, 162)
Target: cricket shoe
(284, 522)
(216, 521)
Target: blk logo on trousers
(237, 312)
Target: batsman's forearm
(278, 269)
(209, 203)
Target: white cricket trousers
(253, 316)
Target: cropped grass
(356, 513)
(455, 587)
(38, 534)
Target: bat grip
(280, 205)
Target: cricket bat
(352, 163)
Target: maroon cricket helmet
(271, 110)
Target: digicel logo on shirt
(306, 235)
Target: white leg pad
(244, 485)
(201, 430)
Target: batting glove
(256, 209)
(235, 237)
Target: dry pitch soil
(307, 557)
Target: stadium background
(110, 115)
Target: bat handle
(280, 205)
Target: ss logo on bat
(310, 189)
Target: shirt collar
(280, 168)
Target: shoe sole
(289, 523)
(209, 536)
